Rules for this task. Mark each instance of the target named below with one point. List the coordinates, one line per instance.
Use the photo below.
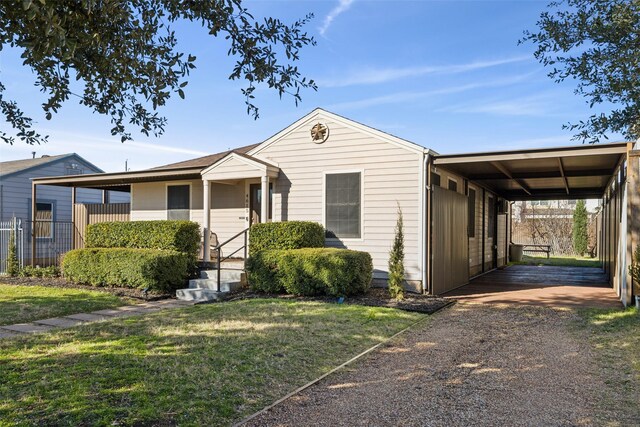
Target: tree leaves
(119, 57)
(598, 44)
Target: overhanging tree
(596, 43)
(120, 59)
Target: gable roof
(205, 161)
(384, 136)
(18, 166)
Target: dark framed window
(44, 220)
(471, 224)
(491, 220)
(342, 205)
(453, 185)
(435, 179)
(178, 202)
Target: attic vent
(73, 169)
(319, 133)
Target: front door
(255, 203)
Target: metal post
(218, 256)
(245, 247)
(73, 217)
(34, 208)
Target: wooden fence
(85, 214)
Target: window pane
(178, 202)
(44, 218)
(435, 179)
(453, 186)
(342, 205)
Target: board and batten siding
(390, 176)
(16, 192)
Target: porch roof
(236, 165)
(577, 172)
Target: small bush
(158, 270)
(311, 271)
(29, 271)
(285, 235)
(634, 270)
(180, 236)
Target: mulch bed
(59, 282)
(375, 297)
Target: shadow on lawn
(206, 364)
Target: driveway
(470, 364)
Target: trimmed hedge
(311, 271)
(180, 236)
(155, 269)
(285, 235)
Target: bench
(537, 248)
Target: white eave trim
(261, 166)
(319, 112)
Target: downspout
(426, 223)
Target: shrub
(159, 270)
(29, 271)
(13, 266)
(261, 272)
(311, 271)
(285, 235)
(634, 269)
(580, 232)
(396, 261)
(180, 236)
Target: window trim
(439, 180)
(324, 204)
(166, 196)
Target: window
(435, 179)
(471, 224)
(491, 220)
(342, 205)
(44, 220)
(178, 202)
(453, 185)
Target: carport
(603, 171)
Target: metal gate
(7, 229)
(450, 242)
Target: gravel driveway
(482, 365)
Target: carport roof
(577, 172)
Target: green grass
(560, 261)
(203, 365)
(614, 336)
(20, 304)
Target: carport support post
(73, 217)
(633, 215)
(34, 207)
(206, 222)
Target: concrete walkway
(471, 364)
(45, 325)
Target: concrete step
(212, 284)
(226, 275)
(230, 263)
(199, 295)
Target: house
(53, 203)
(352, 179)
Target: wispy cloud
(407, 96)
(343, 6)
(368, 76)
(534, 105)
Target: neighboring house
(53, 203)
(352, 178)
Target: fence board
(86, 214)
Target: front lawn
(559, 261)
(19, 304)
(202, 365)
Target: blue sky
(448, 75)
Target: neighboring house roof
(19, 166)
(205, 161)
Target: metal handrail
(220, 259)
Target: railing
(220, 259)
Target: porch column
(206, 221)
(34, 208)
(264, 207)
